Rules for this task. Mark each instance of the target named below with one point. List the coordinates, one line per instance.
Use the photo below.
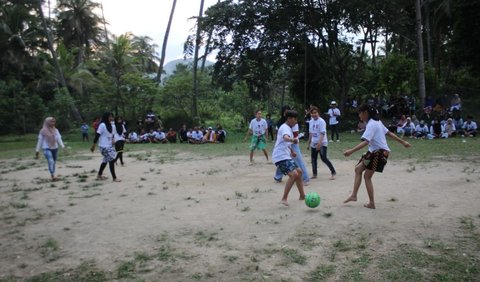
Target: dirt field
(186, 217)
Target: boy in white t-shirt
(258, 128)
(282, 156)
(376, 157)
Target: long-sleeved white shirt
(43, 144)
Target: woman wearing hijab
(104, 137)
(49, 139)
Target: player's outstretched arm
(399, 140)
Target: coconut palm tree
(78, 26)
(144, 51)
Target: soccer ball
(312, 200)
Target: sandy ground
(215, 219)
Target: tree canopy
(268, 53)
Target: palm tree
(78, 26)
(60, 75)
(120, 60)
(165, 40)
(144, 51)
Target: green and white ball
(312, 200)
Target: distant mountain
(171, 66)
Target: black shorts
(375, 160)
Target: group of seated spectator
(449, 126)
(200, 135)
(197, 135)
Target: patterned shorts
(286, 166)
(375, 160)
(109, 154)
(258, 142)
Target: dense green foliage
(269, 53)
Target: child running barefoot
(283, 153)
(376, 157)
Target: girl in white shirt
(49, 139)
(376, 157)
(104, 137)
(283, 154)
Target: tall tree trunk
(428, 31)
(207, 48)
(420, 60)
(195, 65)
(165, 40)
(60, 76)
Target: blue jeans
(51, 156)
(300, 163)
(323, 156)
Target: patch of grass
(321, 273)
(202, 238)
(126, 270)
(49, 250)
(165, 253)
(467, 223)
(231, 258)
(294, 256)
(342, 246)
(86, 272)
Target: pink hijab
(48, 132)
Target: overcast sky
(150, 18)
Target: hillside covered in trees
(62, 61)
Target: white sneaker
(338, 140)
(330, 141)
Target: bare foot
(117, 180)
(350, 199)
(284, 202)
(332, 177)
(370, 206)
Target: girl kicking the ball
(282, 156)
(376, 157)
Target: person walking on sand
(376, 157)
(258, 128)
(318, 142)
(282, 156)
(104, 137)
(119, 138)
(49, 139)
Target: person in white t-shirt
(282, 156)
(334, 115)
(258, 128)
(318, 142)
(104, 137)
(376, 157)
